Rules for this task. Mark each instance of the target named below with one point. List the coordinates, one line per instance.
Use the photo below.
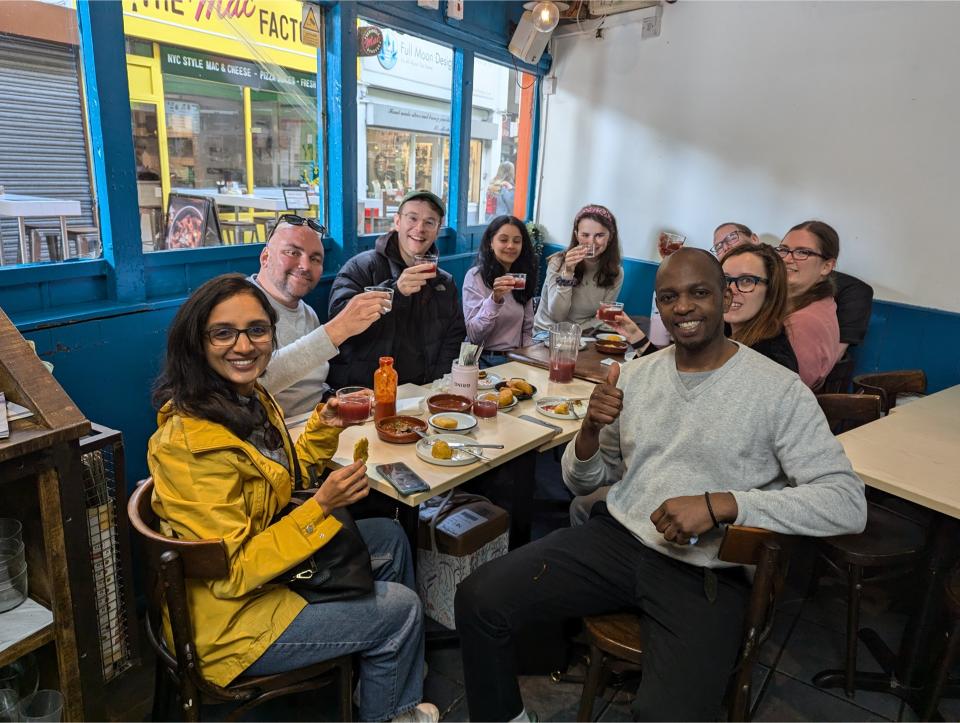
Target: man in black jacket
(425, 327)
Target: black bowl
(516, 394)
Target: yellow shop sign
(265, 31)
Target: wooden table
(588, 366)
(21, 207)
(913, 454)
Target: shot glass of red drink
(670, 243)
(354, 403)
(610, 310)
(485, 405)
(519, 281)
(433, 259)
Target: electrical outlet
(550, 85)
(455, 9)
(651, 25)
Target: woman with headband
(585, 275)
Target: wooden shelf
(24, 629)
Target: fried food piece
(441, 450)
(482, 375)
(505, 397)
(562, 408)
(361, 450)
(445, 422)
(520, 386)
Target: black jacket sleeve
(854, 301)
(453, 335)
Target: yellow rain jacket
(211, 484)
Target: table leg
(21, 228)
(64, 240)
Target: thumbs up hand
(606, 402)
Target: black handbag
(341, 569)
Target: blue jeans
(385, 628)
(493, 358)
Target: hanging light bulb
(546, 15)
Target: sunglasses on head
(295, 220)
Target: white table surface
(265, 200)
(15, 204)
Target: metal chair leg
(855, 586)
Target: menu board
(192, 222)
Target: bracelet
(566, 282)
(706, 496)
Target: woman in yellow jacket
(223, 469)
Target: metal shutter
(43, 147)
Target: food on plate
(520, 386)
(445, 422)
(562, 408)
(506, 397)
(441, 450)
(361, 450)
(482, 375)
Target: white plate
(465, 422)
(490, 382)
(544, 402)
(459, 456)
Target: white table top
(517, 435)
(913, 453)
(262, 200)
(15, 204)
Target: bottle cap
(386, 360)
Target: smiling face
(803, 275)
(745, 306)
(417, 224)
(507, 243)
(691, 299)
(291, 264)
(242, 362)
(590, 231)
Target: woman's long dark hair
(187, 379)
(768, 322)
(526, 262)
(829, 242)
(608, 264)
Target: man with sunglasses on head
(425, 326)
(291, 265)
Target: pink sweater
(500, 327)
(814, 334)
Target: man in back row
(424, 329)
(701, 434)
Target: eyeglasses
(430, 224)
(800, 254)
(726, 242)
(227, 335)
(295, 220)
(745, 284)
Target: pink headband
(595, 211)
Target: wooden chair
(838, 380)
(891, 544)
(889, 385)
(170, 562)
(942, 684)
(618, 637)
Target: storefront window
(403, 97)
(47, 200)
(234, 102)
(502, 110)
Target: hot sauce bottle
(385, 389)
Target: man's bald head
(700, 259)
(291, 263)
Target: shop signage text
(191, 64)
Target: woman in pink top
(497, 306)
(810, 250)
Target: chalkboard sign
(192, 221)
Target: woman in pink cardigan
(810, 250)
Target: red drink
(561, 370)
(670, 243)
(355, 410)
(519, 282)
(485, 408)
(608, 313)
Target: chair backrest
(849, 411)
(838, 380)
(753, 546)
(887, 385)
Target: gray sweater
(750, 427)
(297, 373)
(578, 304)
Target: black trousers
(690, 640)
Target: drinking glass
(670, 243)
(354, 404)
(485, 405)
(427, 259)
(44, 705)
(610, 310)
(519, 280)
(9, 698)
(382, 290)
(564, 343)
(11, 529)
(591, 250)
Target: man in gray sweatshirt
(701, 434)
(291, 265)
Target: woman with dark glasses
(223, 466)
(758, 280)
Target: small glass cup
(44, 705)
(9, 700)
(355, 404)
(670, 243)
(519, 280)
(485, 405)
(382, 290)
(434, 259)
(11, 529)
(610, 310)
(591, 251)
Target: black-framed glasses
(295, 220)
(747, 283)
(800, 254)
(227, 335)
(728, 241)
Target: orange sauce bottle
(385, 389)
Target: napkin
(413, 405)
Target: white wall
(769, 113)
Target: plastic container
(464, 379)
(44, 705)
(385, 390)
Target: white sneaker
(423, 713)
